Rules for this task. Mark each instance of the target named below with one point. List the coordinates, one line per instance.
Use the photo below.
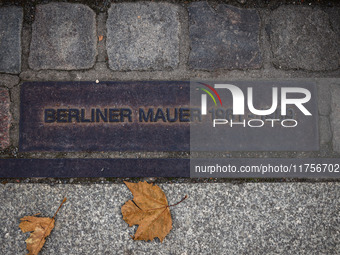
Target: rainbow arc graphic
(204, 97)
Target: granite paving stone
(63, 37)
(302, 38)
(223, 38)
(334, 15)
(219, 218)
(143, 36)
(10, 39)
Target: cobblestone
(302, 38)
(10, 39)
(143, 36)
(63, 37)
(225, 38)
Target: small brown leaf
(100, 38)
(149, 209)
(40, 227)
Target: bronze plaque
(108, 116)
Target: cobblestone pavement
(64, 41)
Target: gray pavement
(250, 218)
(10, 40)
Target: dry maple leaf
(40, 227)
(149, 209)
